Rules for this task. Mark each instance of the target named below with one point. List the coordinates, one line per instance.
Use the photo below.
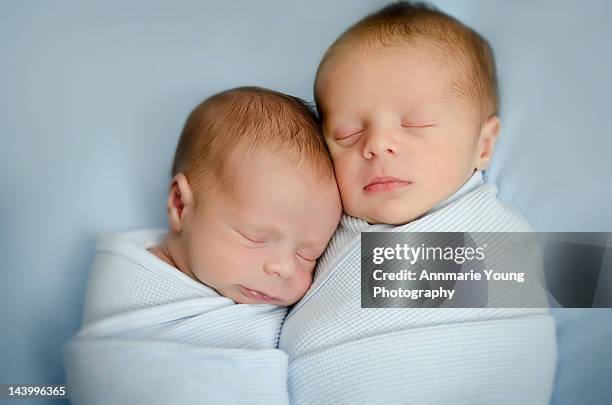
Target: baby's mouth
(254, 294)
(385, 183)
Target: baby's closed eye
(252, 240)
(342, 133)
(307, 258)
(416, 123)
(346, 136)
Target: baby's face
(260, 243)
(400, 139)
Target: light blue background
(93, 96)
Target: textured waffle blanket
(152, 335)
(186, 345)
(341, 353)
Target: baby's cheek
(247, 261)
(344, 166)
(345, 176)
(303, 283)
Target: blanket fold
(416, 355)
(148, 373)
(152, 335)
(469, 363)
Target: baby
(253, 201)
(410, 112)
(409, 104)
(252, 204)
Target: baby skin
(401, 137)
(255, 237)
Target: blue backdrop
(94, 94)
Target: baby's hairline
(456, 83)
(248, 120)
(422, 25)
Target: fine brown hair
(420, 24)
(248, 120)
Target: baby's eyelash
(306, 258)
(417, 125)
(349, 135)
(251, 239)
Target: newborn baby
(252, 204)
(409, 103)
(253, 201)
(196, 311)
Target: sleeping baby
(251, 206)
(196, 311)
(253, 201)
(409, 103)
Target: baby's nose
(379, 142)
(280, 268)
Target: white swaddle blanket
(164, 348)
(424, 356)
(153, 335)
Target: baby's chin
(394, 213)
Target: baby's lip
(256, 294)
(381, 183)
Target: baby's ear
(486, 142)
(180, 199)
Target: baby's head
(253, 201)
(409, 103)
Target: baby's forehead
(425, 53)
(246, 163)
(408, 65)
